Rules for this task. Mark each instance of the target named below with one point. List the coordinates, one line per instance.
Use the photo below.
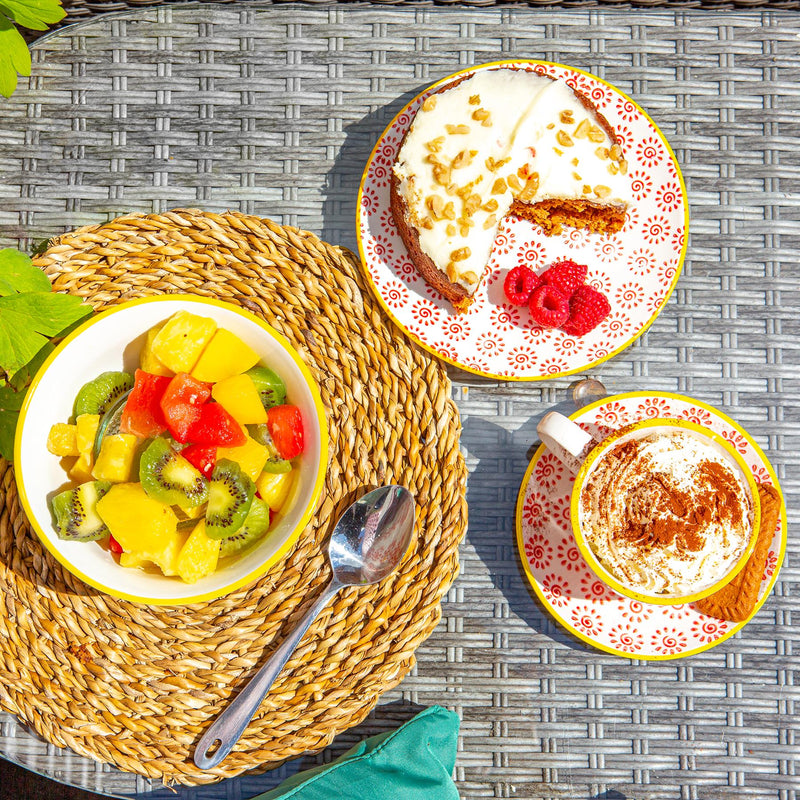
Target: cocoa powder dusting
(663, 514)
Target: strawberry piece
(216, 427)
(142, 415)
(565, 275)
(285, 425)
(549, 306)
(203, 457)
(519, 285)
(587, 309)
(181, 404)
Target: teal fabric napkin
(415, 762)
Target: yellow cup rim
(319, 478)
(594, 563)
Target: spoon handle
(228, 727)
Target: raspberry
(587, 309)
(565, 275)
(549, 306)
(519, 285)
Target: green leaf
(14, 57)
(25, 375)
(17, 274)
(35, 14)
(10, 404)
(26, 319)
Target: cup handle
(568, 442)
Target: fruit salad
(185, 463)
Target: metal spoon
(367, 544)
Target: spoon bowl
(367, 545)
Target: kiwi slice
(100, 394)
(271, 389)
(255, 526)
(260, 433)
(76, 514)
(167, 476)
(230, 495)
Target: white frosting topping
(659, 483)
(499, 135)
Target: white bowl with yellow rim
(112, 341)
(581, 453)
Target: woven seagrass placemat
(136, 686)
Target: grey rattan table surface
(273, 110)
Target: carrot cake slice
(501, 141)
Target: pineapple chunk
(148, 361)
(179, 343)
(225, 356)
(144, 527)
(85, 433)
(115, 460)
(239, 397)
(251, 456)
(274, 488)
(199, 555)
(63, 440)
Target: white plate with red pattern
(636, 268)
(562, 580)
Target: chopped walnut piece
(602, 152)
(623, 167)
(480, 114)
(451, 229)
(435, 205)
(464, 191)
(566, 117)
(499, 186)
(463, 159)
(595, 134)
(469, 277)
(613, 168)
(441, 174)
(475, 100)
(574, 162)
(490, 205)
(558, 152)
(462, 254)
(450, 211)
(464, 230)
(582, 131)
(435, 145)
(466, 221)
(615, 152)
(490, 222)
(564, 139)
(427, 223)
(457, 129)
(429, 103)
(602, 191)
(514, 182)
(550, 126)
(452, 272)
(472, 204)
(451, 189)
(587, 189)
(576, 176)
(530, 188)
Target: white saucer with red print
(572, 593)
(636, 268)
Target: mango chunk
(251, 456)
(274, 488)
(148, 361)
(86, 426)
(115, 460)
(63, 440)
(225, 356)
(199, 555)
(143, 526)
(179, 343)
(239, 397)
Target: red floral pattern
(500, 340)
(561, 576)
